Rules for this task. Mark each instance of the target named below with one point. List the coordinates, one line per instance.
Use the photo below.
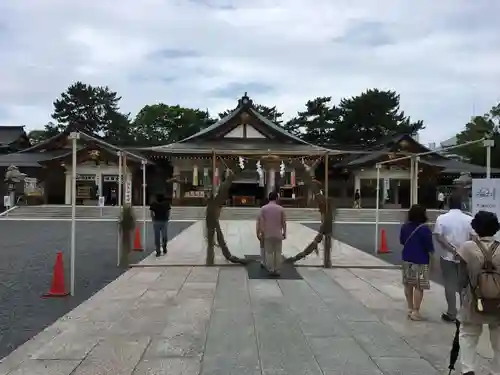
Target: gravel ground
(362, 236)
(27, 256)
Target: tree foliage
(477, 128)
(92, 109)
(39, 135)
(317, 123)
(373, 115)
(360, 120)
(159, 124)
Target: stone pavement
(214, 321)
(189, 248)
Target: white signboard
(486, 196)
(102, 200)
(387, 186)
(128, 191)
(6, 201)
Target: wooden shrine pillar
(327, 254)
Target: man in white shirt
(452, 230)
(441, 200)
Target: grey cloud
(235, 90)
(208, 52)
(366, 33)
(216, 4)
(172, 53)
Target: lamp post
(120, 190)
(377, 205)
(74, 136)
(144, 163)
(415, 180)
(488, 143)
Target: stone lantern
(12, 177)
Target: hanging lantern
(307, 167)
(195, 175)
(206, 179)
(260, 173)
(216, 177)
(282, 169)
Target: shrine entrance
(247, 193)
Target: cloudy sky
(443, 57)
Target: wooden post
(214, 167)
(327, 254)
(211, 218)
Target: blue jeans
(160, 230)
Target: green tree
(361, 120)
(119, 130)
(159, 124)
(477, 128)
(371, 116)
(37, 136)
(90, 109)
(317, 123)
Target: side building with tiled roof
(12, 139)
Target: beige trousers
(469, 339)
(273, 248)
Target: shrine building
(205, 157)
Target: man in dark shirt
(160, 214)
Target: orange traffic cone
(57, 289)
(137, 240)
(383, 243)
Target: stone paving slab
(196, 320)
(189, 248)
(191, 321)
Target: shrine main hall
(199, 163)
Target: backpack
(486, 289)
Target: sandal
(408, 315)
(415, 316)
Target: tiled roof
(30, 159)
(238, 147)
(10, 134)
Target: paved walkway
(214, 321)
(189, 248)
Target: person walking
(113, 197)
(452, 230)
(418, 250)
(160, 214)
(357, 199)
(441, 201)
(271, 227)
(480, 286)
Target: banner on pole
(6, 201)
(128, 191)
(101, 201)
